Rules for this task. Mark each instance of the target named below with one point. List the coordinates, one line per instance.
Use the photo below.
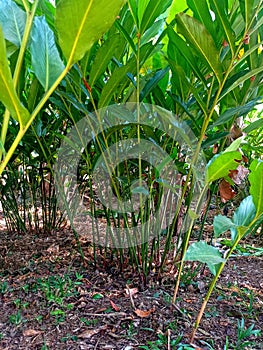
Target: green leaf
(102, 58)
(254, 126)
(201, 251)
(221, 13)
(240, 81)
(202, 42)
(203, 15)
(245, 213)
(152, 12)
(7, 90)
(81, 23)
(234, 146)
(185, 51)
(220, 165)
(222, 224)
(153, 82)
(46, 61)
(13, 21)
(256, 185)
(238, 111)
(142, 5)
(247, 9)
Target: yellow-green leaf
(7, 90)
(81, 23)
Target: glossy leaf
(7, 90)
(201, 40)
(152, 12)
(256, 185)
(220, 165)
(81, 23)
(245, 213)
(46, 61)
(13, 21)
(206, 254)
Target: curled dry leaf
(226, 191)
(31, 332)
(144, 313)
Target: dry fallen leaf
(114, 306)
(87, 334)
(144, 313)
(31, 332)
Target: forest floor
(49, 299)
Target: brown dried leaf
(31, 332)
(87, 334)
(226, 191)
(114, 306)
(144, 313)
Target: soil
(50, 299)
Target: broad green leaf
(256, 185)
(81, 23)
(201, 40)
(185, 51)
(238, 111)
(13, 21)
(152, 12)
(221, 13)
(214, 138)
(245, 213)
(102, 58)
(254, 126)
(7, 90)
(203, 15)
(221, 224)
(206, 254)
(46, 61)
(220, 165)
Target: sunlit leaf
(81, 23)
(220, 165)
(7, 90)
(201, 40)
(256, 185)
(152, 12)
